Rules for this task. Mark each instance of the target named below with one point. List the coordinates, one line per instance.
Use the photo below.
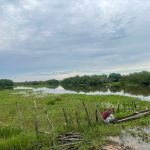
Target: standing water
(132, 92)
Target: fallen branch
(69, 144)
(136, 113)
(135, 116)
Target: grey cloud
(43, 36)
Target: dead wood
(135, 116)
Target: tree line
(141, 78)
(51, 82)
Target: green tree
(6, 83)
(52, 82)
(114, 77)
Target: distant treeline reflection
(134, 90)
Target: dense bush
(142, 78)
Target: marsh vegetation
(19, 118)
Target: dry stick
(50, 126)
(68, 137)
(100, 114)
(44, 132)
(66, 118)
(96, 115)
(48, 120)
(124, 106)
(69, 144)
(131, 106)
(20, 116)
(89, 121)
(77, 119)
(135, 108)
(36, 120)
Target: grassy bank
(13, 119)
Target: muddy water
(138, 139)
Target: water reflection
(58, 90)
(134, 91)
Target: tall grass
(13, 139)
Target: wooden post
(124, 106)
(36, 125)
(66, 118)
(135, 108)
(96, 115)
(20, 116)
(50, 127)
(77, 119)
(88, 118)
(132, 106)
(48, 120)
(118, 107)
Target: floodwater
(136, 92)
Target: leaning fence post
(50, 126)
(132, 105)
(77, 119)
(89, 121)
(48, 120)
(65, 116)
(118, 107)
(96, 115)
(36, 125)
(124, 106)
(99, 114)
(135, 108)
(20, 116)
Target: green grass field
(13, 119)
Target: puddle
(138, 139)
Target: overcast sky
(44, 39)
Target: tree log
(135, 116)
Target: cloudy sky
(44, 39)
